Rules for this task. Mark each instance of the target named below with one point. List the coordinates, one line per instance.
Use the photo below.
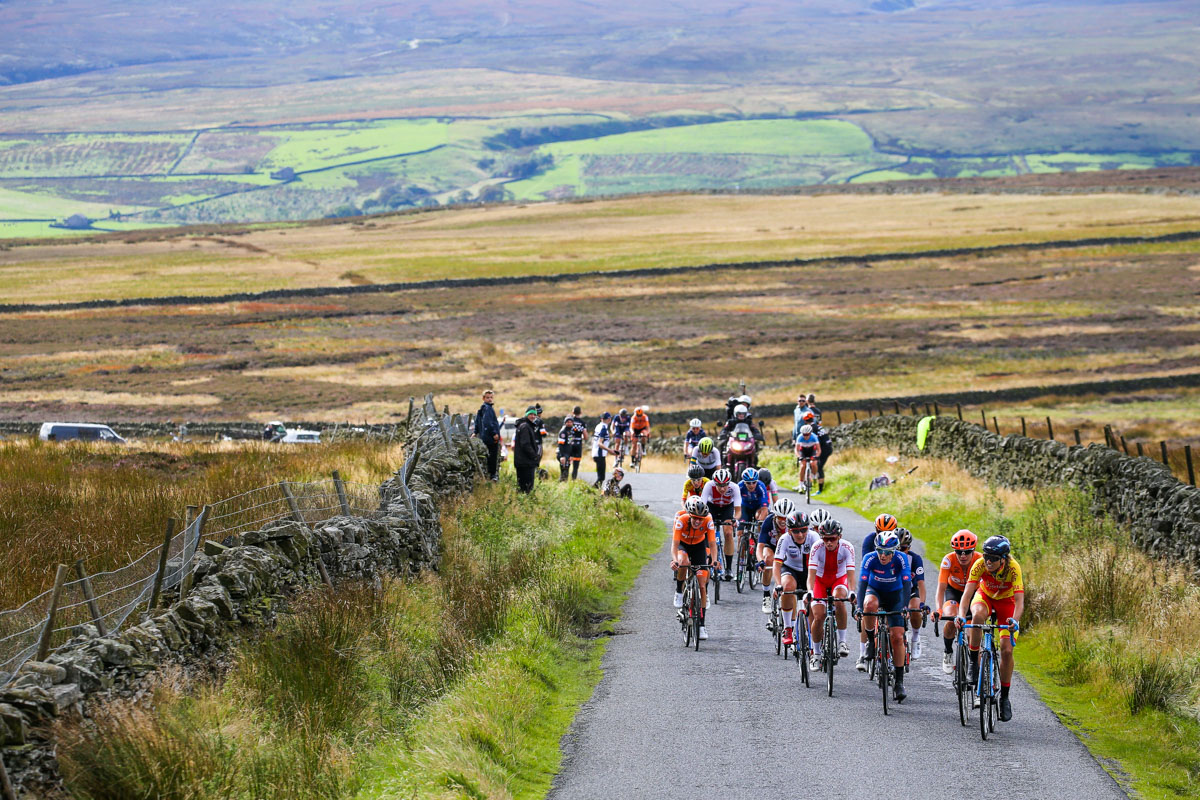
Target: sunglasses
(885, 552)
(992, 559)
(964, 552)
(829, 538)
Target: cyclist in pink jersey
(831, 572)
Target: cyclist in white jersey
(707, 456)
(724, 501)
(831, 572)
(791, 557)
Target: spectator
(798, 415)
(600, 448)
(527, 449)
(812, 406)
(487, 428)
(570, 445)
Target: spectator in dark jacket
(487, 428)
(527, 449)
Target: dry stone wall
(1163, 513)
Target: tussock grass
(456, 684)
(106, 505)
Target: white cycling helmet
(740, 409)
(695, 506)
(805, 430)
(696, 423)
(784, 507)
(722, 477)
(744, 399)
(819, 518)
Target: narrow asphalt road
(734, 720)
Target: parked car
(296, 436)
(85, 431)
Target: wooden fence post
(839, 417)
(896, 403)
(1187, 457)
(855, 416)
(776, 432)
(90, 596)
(1163, 445)
(983, 415)
(1124, 445)
(958, 408)
(6, 788)
(927, 410)
(1024, 432)
(1109, 439)
(341, 492)
(1049, 429)
(996, 423)
(164, 553)
(1077, 439)
(937, 411)
(913, 408)
(1140, 452)
(43, 648)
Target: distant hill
(140, 113)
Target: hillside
(291, 111)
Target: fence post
(1187, 457)
(896, 403)
(1109, 439)
(43, 649)
(90, 596)
(1140, 451)
(6, 788)
(958, 408)
(927, 410)
(291, 501)
(341, 493)
(937, 411)
(189, 574)
(1077, 439)
(411, 401)
(839, 416)
(1049, 429)
(855, 416)
(996, 422)
(983, 416)
(1023, 429)
(164, 553)
(1124, 445)
(1163, 445)
(445, 429)
(776, 432)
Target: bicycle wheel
(751, 565)
(807, 487)
(740, 575)
(716, 586)
(830, 654)
(985, 691)
(960, 684)
(884, 669)
(805, 652)
(777, 626)
(685, 614)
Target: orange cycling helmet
(964, 540)
(885, 522)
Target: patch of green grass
(314, 147)
(762, 137)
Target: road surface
(734, 721)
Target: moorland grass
(1109, 633)
(460, 681)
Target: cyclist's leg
(787, 602)
(914, 620)
(819, 610)
(949, 613)
(766, 555)
(841, 590)
(730, 544)
(979, 615)
(870, 605)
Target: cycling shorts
(890, 601)
(822, 589)
(795, 573)
(697, 553)
(720, 513)
(808, 452)
(1003, 608)
(950, 602)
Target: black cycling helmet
(997, 547)
(695, 472)
(906, 538)
(764, 475)
(801, 520)
(834, 527)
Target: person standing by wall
(527, 449)
(601, 437)
(487, 428)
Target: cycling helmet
(740, 409)
(706, 446)
(810, 417)
(696, 423)
(805, 430)
(764, 475)
(819, 518)
(695, 506)
(906, 537)
(798, 520)
(886, 542)
(744, 399)
(885, 522)
(834, 527)
(722, 477)
(750, 475)
(637, 410)
(695, 472)
(625, 411)
(997, 547)
(617, 471)
(964, 540)
(784, 507)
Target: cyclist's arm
(713, 554)
(1018, 605)
(940, 597)
(862, 588)
(919, 578)
(964, 606)
(812, 578)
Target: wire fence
(107, 600)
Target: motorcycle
(742, 450)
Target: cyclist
(792, 550)
(952, 579)
(808, 446)
(884, 522)
(886, 582)
(694, 485)
(693, 542)
(995, 585)
(768, 481)
(830, 574)
(707, 457)
(621, 434)
(784, 517)
(640, 425)
(724, 501)
(693, 436)
(570, 444)
(755, 502)
(916, 565)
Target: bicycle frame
(987, 683)
(829, 654)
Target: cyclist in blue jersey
(884, 522)
(784, 518)
(808, 453)
(621, 434)
(916, 603)
(693, 436)
(755, 502)
(885, 582)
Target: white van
(84, 431)
(296, 436)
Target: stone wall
(235, 587)
(1163, 513)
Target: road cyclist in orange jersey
(831, 573)
(724, 501)
(693, 543)
(640, 425)
(995, 585)
(952, 580)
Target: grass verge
(1109, 632)
(456, 685)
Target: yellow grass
(108, 398)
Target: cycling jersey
(793, 549)
(768, 534)
(692, 438)
(753, 497)
(727, 495)
(708, 462)
(807, 445)
(889, 577)
(600, 440)
(572, 432)
(916, 565)
(953, 573)
(829, 566)
(693, 530)
(1005, 584)
(620, 424)
(690, 489)
(640, 423)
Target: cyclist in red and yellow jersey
(952, 579)
(693, 542)
(694, 486)
(995, 585)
